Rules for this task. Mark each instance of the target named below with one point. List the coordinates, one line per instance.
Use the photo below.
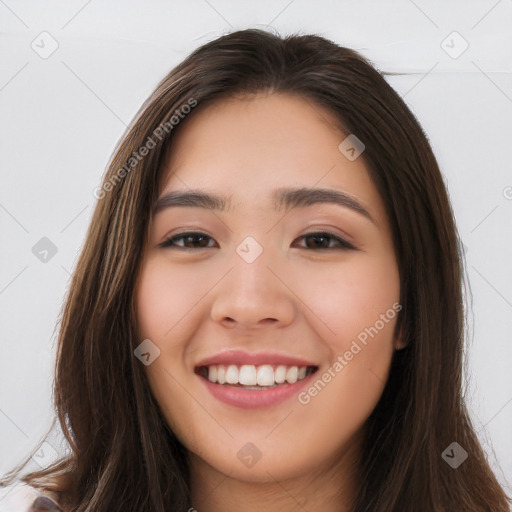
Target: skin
(295, 298)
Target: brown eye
(191, 240)
(322, 241)
(314, 241)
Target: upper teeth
(250, 375)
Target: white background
(61, 116)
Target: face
(260, 288)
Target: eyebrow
(288, 197)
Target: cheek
(345, 300)
(163, 299)
(344, 394)
(152, 296)
(357, 312)
(166, 315)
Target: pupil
(194, 239)
(317, 237)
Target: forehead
(255, 123)
(248, 147)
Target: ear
(400, 342)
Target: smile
(249, 381)
(255, 377)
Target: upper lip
(240, 357)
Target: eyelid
(334, 233)
(343, 242)
(166, 243)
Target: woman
(267, 312)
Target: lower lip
(254, 398)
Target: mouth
(254, 380)
(254, 377)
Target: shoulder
(44, 504)
(24, 498)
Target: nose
(253, 295)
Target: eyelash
(343, 244)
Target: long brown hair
(123, 454)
